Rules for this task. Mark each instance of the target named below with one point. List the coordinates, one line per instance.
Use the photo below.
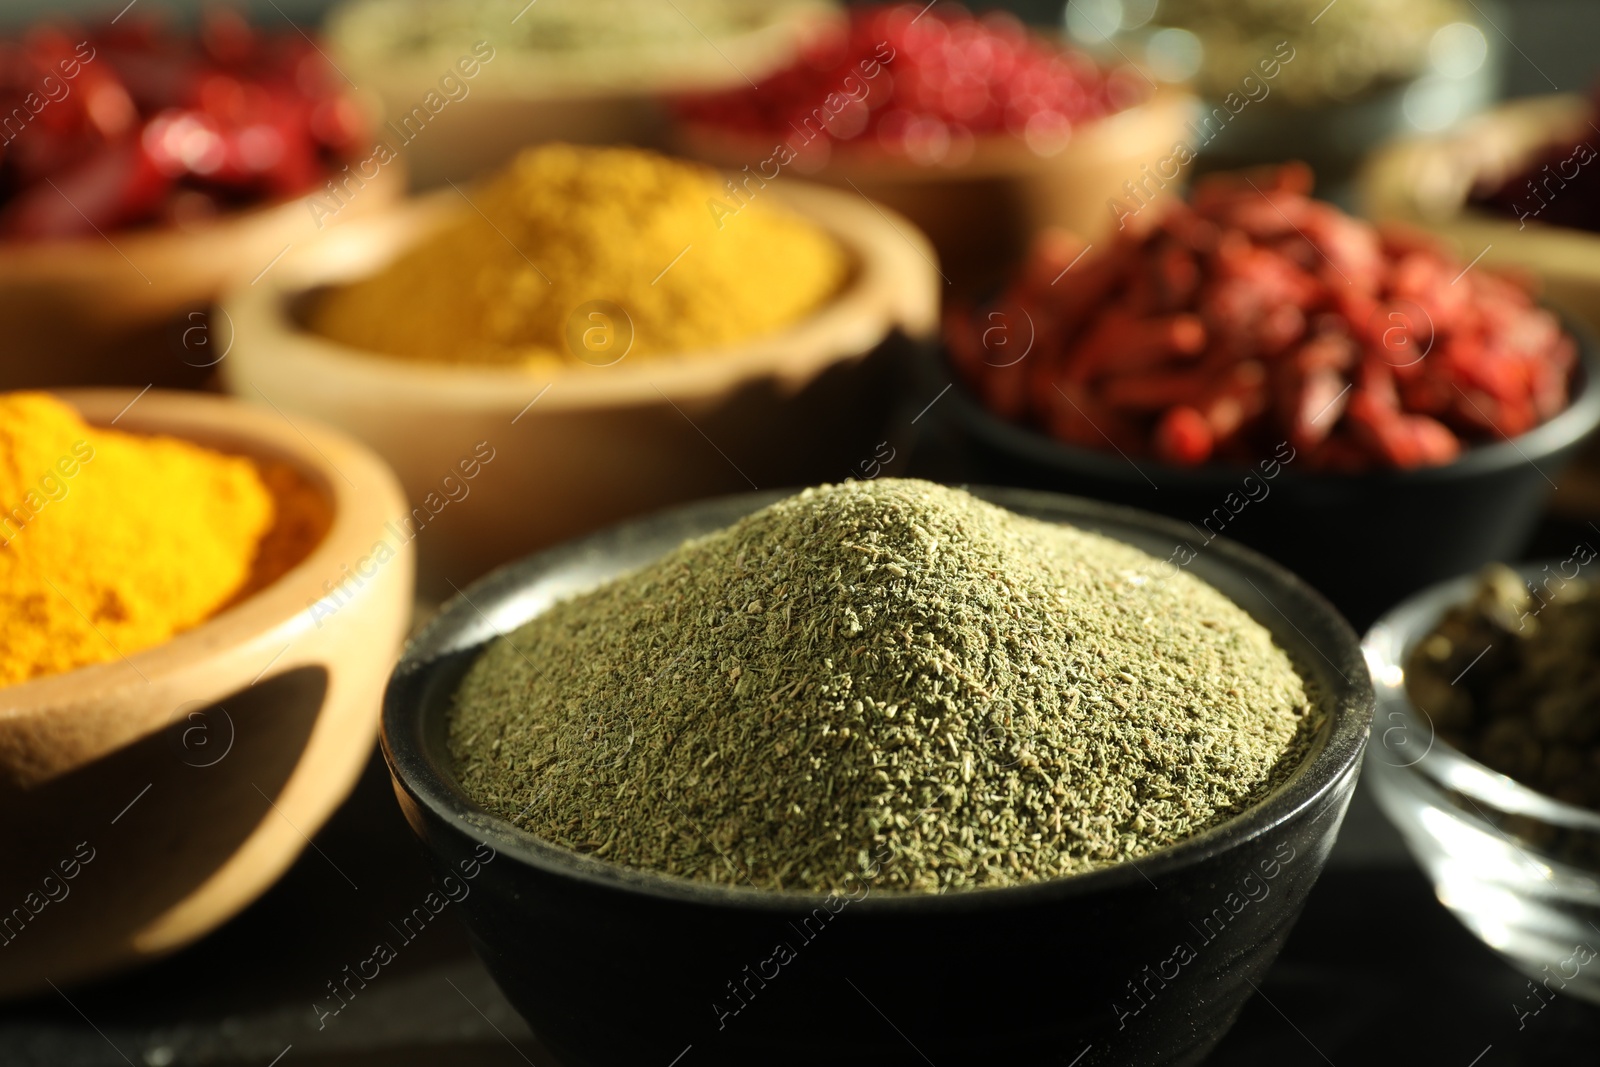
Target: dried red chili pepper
(131, 124)
(1253, 315)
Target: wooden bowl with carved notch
(147, 799)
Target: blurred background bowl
(1339, 86)
(982, 212)
(1426, 182)
(1520, 869)
(1353, 536)
(1336, 138)
(585, 74)
(988, 976)
(134, 307)
(591, 445)
(191, 774)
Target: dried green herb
(890, 663)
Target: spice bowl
(981, 213)
(131, 308)
(1427, 182)
(591, 75)
(556, 454)
(1480, 508)
(146, 799)
(1145, 962)
(1518, 868)
(1336, 135)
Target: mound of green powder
(888, 668)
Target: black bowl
(1130, 964)
(1364, 540)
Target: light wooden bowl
(1426, 181)
(593, 445)
(982, 213)
(126, 308)
(583, 95)
(193, 773)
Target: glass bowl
(1520, 869)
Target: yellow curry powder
(112, 542)
(511, 277)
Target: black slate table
(1376, 972)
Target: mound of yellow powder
(112, 542)
(513, 276)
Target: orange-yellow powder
(573, 254)
(112, 542)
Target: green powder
(882, 668)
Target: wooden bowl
(129, 308)
(982, 213)
(1426, 182)
(557, 456)
(584, 96)
(143, 801)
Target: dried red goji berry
(1183, 436)
(1254, 312)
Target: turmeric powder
(111, 542)
(693, 262)
(302, 515)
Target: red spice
(921, 82)
(131, 123)
(1255, 314)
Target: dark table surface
(1376, 972)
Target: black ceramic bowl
(1364, 540)
(1127, 965)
